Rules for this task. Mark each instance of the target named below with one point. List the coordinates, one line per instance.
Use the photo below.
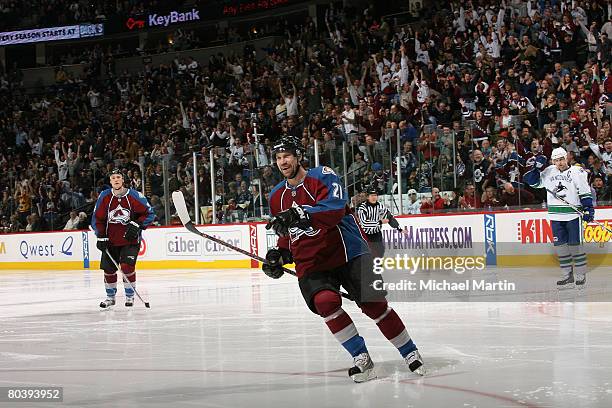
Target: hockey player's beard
(294, 172)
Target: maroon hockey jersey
(335, 236)
(112, 214)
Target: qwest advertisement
(51, 34)
(62, 250)
(37, 248)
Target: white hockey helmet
(558, 153)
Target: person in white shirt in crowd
(62, 164)
(605, 154)
(414, 205)
(291, 101)
(349, 119)
(72, 222)
(94, 98)
(355, 88)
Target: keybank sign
(173, 17)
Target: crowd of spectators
(473, 95)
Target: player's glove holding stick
(393, 223)
(102, 243)
(275, 259)
(294, 217)
(132, 231)
(588, 212)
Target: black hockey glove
(295, 217)
(132, 231)
(102, 244)
(275, 259)
(393, 222)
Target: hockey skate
(567, 282)
(129, 301)
(363, 370)
(415, 363)
(580, 281)
(108, 302)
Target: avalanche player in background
(119, 217)
(571, 184)
(318, 231)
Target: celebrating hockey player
(372, 215)
(119, 217)
(318, 231)
(565, 185)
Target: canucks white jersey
(571, 185)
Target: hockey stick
(125, 279)
(580, 212)
(181, 209)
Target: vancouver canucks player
(565, 184)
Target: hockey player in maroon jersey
(318, 231)
(119, 217)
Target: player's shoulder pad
(579, 171)
(322, 172)
(104, 193)
(547, 169)
(277, 187)
(136, 194)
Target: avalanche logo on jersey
(295, 233)
(119, 215)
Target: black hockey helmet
(371, 190)
(119, 172)
(290, 144)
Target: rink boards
(516, 238)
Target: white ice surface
(239, 339)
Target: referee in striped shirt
(372, 215)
